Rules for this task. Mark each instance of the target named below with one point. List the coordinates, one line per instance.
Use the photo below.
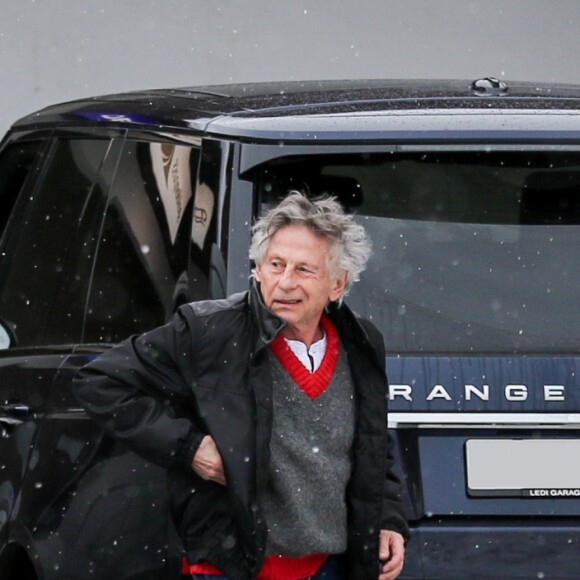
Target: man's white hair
(350, 247)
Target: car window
(140, 275)
(17, 161)
(474, 251)
(48, 249)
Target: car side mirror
(7, 336)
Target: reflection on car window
(473, 251)
(48, 252)
(140, 274)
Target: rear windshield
(473, 251)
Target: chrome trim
(487, 147)
(483, 420)
(438, 420)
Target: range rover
(115, 210)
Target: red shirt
(274, 568)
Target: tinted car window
(140, 275)
(16, 163)
(49, 250)
(473, 251)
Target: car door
(19, 162)
(44, 277)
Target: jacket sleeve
(393, 517)
(138, 392)
(393, 513)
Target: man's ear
(338, 287)
(257, 273)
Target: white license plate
(535, 468)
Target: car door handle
(13, 414)
(15, 409)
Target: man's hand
(391, 554)
(207, 461)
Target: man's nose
(287, 279)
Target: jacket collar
(348, 325)
(265, 321)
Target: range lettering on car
(515, 393)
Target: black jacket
(206, 372)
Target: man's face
(295, 280)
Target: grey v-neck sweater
(310, 466)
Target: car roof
(290, 109)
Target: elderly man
(268, 410)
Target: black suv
(116, 210)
